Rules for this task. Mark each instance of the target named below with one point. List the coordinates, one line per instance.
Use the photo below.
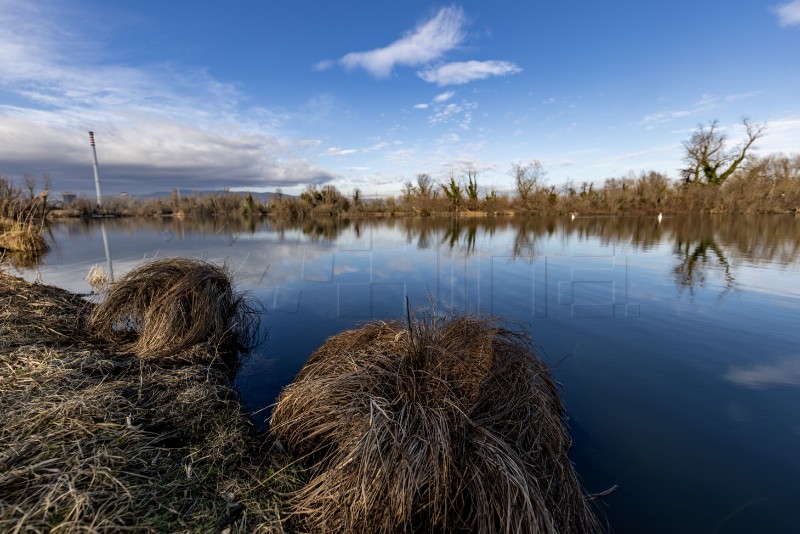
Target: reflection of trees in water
(422, 233)
(228, 227)
(453, 238)
(641, 233)
(718, 244)
(327, 229)
(702, 245)
(528, 231)
(694, 263)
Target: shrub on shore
(438, 425)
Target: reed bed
(437, 425)
(164, 307)
(96, 441)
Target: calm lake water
(676, 344)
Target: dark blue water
(676, 345)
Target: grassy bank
(96, 440)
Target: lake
(676, 344)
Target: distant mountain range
(186, 193)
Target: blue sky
(260, 95)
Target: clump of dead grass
(165, 307)
(97, 278)
(437, 425)
(94, 441)
(22, 241)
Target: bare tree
(527, 178)
(47, 182)
(707, 157)
(425, 185)
(30, 184)
(408, 192)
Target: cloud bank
(156, 126)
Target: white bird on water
(659, 217)
(572, 217)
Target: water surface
(676, 345)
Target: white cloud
(443, 97)
(453, 112)
(336, 151)
(324, 65)
(461, 72)
(380, 145)
(788, 13)
(425, 43)
(421, 106)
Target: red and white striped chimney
(96, 171)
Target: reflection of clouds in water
(274, 264)
(738, 412)
(784, 372)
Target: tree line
(718, 177)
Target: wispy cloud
(783, 135)
(421, 106)
(443, 97)
(705, 103)
(380, 145)
(461, 72)
(324, 65)
(460, 113)
(427, 42)
(336, 151)
(462, 164)
(788, 13)
(400, 156)
(154, 124)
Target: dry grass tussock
(94, 441)
(164, 307)
(22, 242)
(97, 278)
(447, 425)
